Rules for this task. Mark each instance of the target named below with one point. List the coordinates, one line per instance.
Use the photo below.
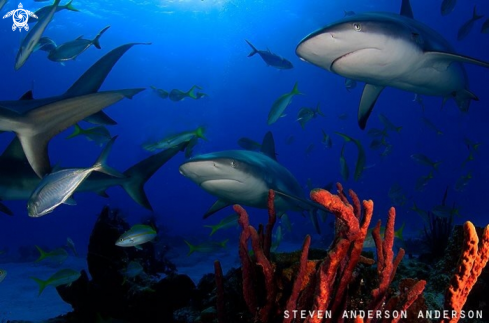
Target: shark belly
(251, 193)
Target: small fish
(161, 93)
(471, 145)
(467, 26)
(72, 49)
(431, 126)
(444, 211)
(419, 99)
(462, 182)
(378, 143)
(350, 84)
(62, 277)
(98, 134)
(369, 240)
(45, 44)
(178, 95)
(485, 27)
(248, 144)
(206, 247)
(387, 151)
(33, 36)
(328, 143)
(277, 239)
(3, 272)
(361, 159)
(40, 13)
(422, 213)
(309, 149)
(388, 124)
(290, 140)
(226, 223)
(270, 58)
(422, 181)
(71, 245)
(55, 256)
(344, 171)
(280, 104)
(374, 132)
(396, 195)
(132, 270)
(425, 161)
(57, 187)
(447, 6)
(306, 114)
(284, 219)
(136, 235)
(175, 140)
(200, 95)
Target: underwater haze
(202, 43)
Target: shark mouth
(348, 54)
(219, 181)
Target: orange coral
(473, 259)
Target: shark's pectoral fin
(441, 60)
(369, 97)
(36, 151)
(217, 206)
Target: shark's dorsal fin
(14, 151)
(367, 102)
(217, 206)
(27, 96)
(79, 37)
(268, 146)
(406, 9)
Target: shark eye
(357, 26)
(233, 164)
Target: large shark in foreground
(35, 122)
(245, 177)
(387, 49)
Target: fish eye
(121, 240)
(357, 26)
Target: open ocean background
(203, 43)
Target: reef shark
(245, 177)
(18, 180)
(387, 49)
(35, 122)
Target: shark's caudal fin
(369, 97)
(95, 41)
(254, 50)
(142, 171)
(35, 128)
(101, 163)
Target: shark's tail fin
(475, 16)
(254, 50)
(95, 41)
(142, 171)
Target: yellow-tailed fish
(62, 277)
(228, 222)
(425, 161)
(57, 255)
(388, 124)
(98, 134)
(206, 247)
(344, 171)
(175, 140)
(361, 159)
(463, 181)
(328, 143)
(281, 104)
(422, 181)
(136, 235)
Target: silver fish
(56, 188)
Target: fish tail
(295, 90)
(223, 243)
(398, 233)
(76, 132)
(139, 174)
(254, 50)
(318, 111)
(70, 7)
(42, 284)
(191, 247)
(191, 93)
(475, 16)
(96, 42)
(42, 254)
(200, 133)
(213, 227)
(101, 163)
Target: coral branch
(271, 222)
(220, 292)
(473, 259)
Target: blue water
(202, 43)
